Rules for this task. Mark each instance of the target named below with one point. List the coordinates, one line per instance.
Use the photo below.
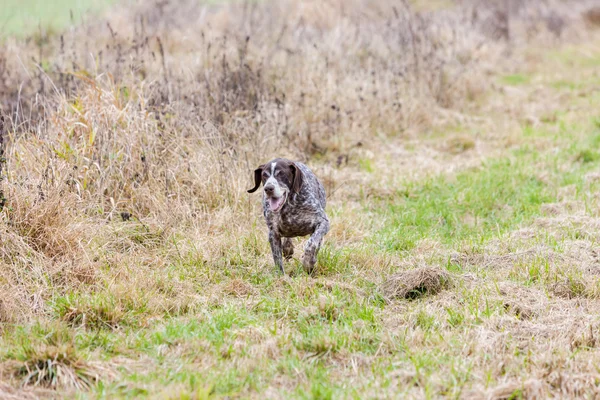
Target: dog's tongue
(275, 203)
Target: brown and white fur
(293, 205)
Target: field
(459, 143)
(20, 17)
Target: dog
(293, 205)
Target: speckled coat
(302, 214)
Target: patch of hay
(9, 392)
(519, 310)
(569, 288)
(53, 367)
(459, 144)
(238, 288)
(415, 283)
(514, 389)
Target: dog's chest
(292, 221)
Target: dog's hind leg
(311, 250)
(288, 248)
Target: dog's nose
(269, 189)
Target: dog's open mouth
(275, 203)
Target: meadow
(458, 141)
(22, 17)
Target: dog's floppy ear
(298, 178)
(257, 173)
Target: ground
(462, 260)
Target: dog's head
(279, 177)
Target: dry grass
(163, 128)
(415, 283)
(127, 237)
(55, 368)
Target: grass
(484, 202)
(22, 17)
(515, 79)
(462, 257)
(470, 205)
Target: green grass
(474, 205)
(311, 326)
(22, 17)
(515, 79)
(481, 203)
(574, 58)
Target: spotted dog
(293, 205)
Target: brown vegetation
(127, 146)
(414, 283)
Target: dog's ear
(298, 178)
(257, 173)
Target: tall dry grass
(124, 133)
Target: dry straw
(415, 283)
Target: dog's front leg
(275, 242)
(313, 245)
